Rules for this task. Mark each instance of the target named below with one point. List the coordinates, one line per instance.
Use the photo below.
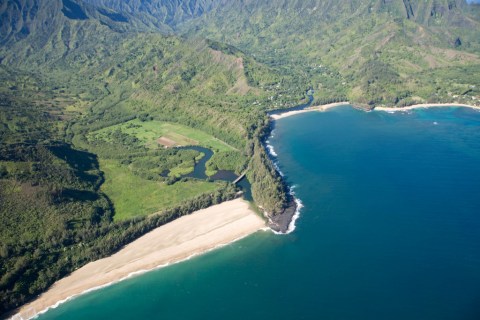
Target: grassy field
(15, 167)
(183, 169)
(133, 196)
(148, 132)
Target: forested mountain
(375, 51)
(369, 51)
(161, 13)
(45, 18)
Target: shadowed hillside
(161, 13)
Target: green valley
(136, 197)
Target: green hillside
(91, 93)
(63, 187)
(377, 52)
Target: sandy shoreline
(426, 105)
(388, 109)
(309, 109)
(187, 236)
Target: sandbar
(178, 240)
(320, 108)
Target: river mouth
(199, 171)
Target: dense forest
(75, 142)
(96, 96)
(375, 52)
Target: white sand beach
(190, 235)
(321, 108)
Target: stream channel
(222, 175)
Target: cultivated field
(155, 134)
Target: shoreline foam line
(292, 226)
(132, 275)
(320, 108)
(426, 106)
(180, 240)
(273, 157)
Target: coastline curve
(186, 237)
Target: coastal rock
(363, 107)
(281, 222)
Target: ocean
(390, 229)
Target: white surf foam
(271, 150)
(292, 226)
(35, 314)
(296, 216)
(275, 164)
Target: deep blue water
(390, 230)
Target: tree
(3, 171)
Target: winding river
(221, 175)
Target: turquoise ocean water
(390, 229)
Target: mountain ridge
(160, 13)
(335, 41)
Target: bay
(390, 229)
